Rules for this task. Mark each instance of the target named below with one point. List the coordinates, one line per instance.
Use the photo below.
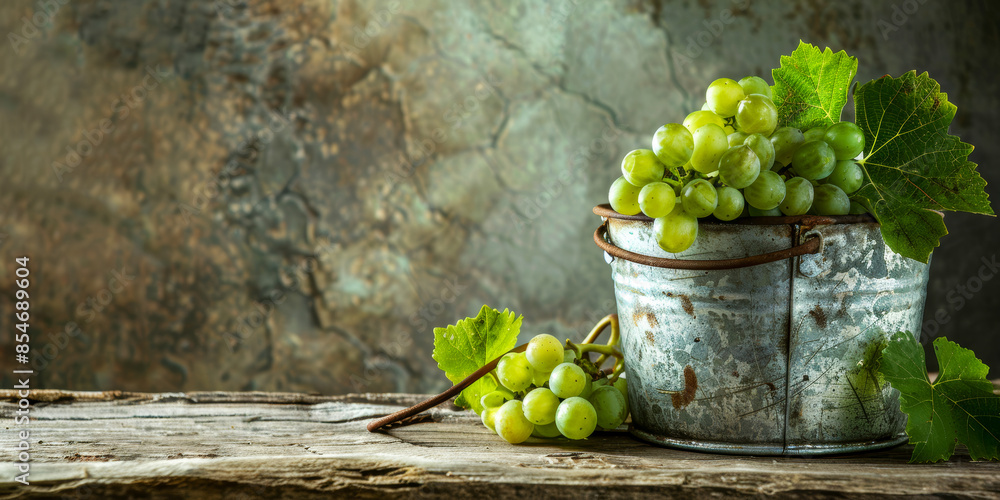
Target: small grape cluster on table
(731, 160)
(550, 391)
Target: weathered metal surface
(853, 294)
(764, 359)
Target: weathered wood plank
(267, 445)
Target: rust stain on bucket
(639, 314)
(683, 398)
(818, 315)
(651, 318)
(686, 304)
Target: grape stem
(404, 417)
(604, 351)
(687, 178)
(619, 368)
(673, 182)
(611, 319)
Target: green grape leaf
(810, 87)
(958, 406)
(466, 346)
(915, 169)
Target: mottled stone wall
(290, 194)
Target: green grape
(798, 196)
(540, 378)
(488, 416)
(814, 134)
(657, 199)
(515, 372)
(640, 167)
(507, 394)
(756, 212)
(846, 139)
(495, 399)
(710, 143)
(540, 406)
(569, 355)
(846, 175)
(739, 167)
(814, 160)
(755, 85)
(576, 418)
(857, 208)
(624, 197)
(609, 405)
(511, 424)
(785, 141)
(763, 148)
(704, 107)
(550, 430)
(568, 380)
(622, 385)
(757, 114)
(587, 388)
(677, 231)
(673, 144)
(697, 119)
(736, 138)
(730, 203)
(699, 198)
(724, 96)
(601, 382)
(544, 352)
(830, 200)
(766, 192)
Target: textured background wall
(289, 195)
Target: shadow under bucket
(763, 337)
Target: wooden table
(215, 445)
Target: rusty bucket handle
(813, 245)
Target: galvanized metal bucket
(767, 343)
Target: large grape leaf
(811, 86)
(916, 169)
(466, 346)
(958, 406)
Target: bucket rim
(605, 210)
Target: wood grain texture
(214, 445)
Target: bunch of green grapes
(731, 159)
(547, 392)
